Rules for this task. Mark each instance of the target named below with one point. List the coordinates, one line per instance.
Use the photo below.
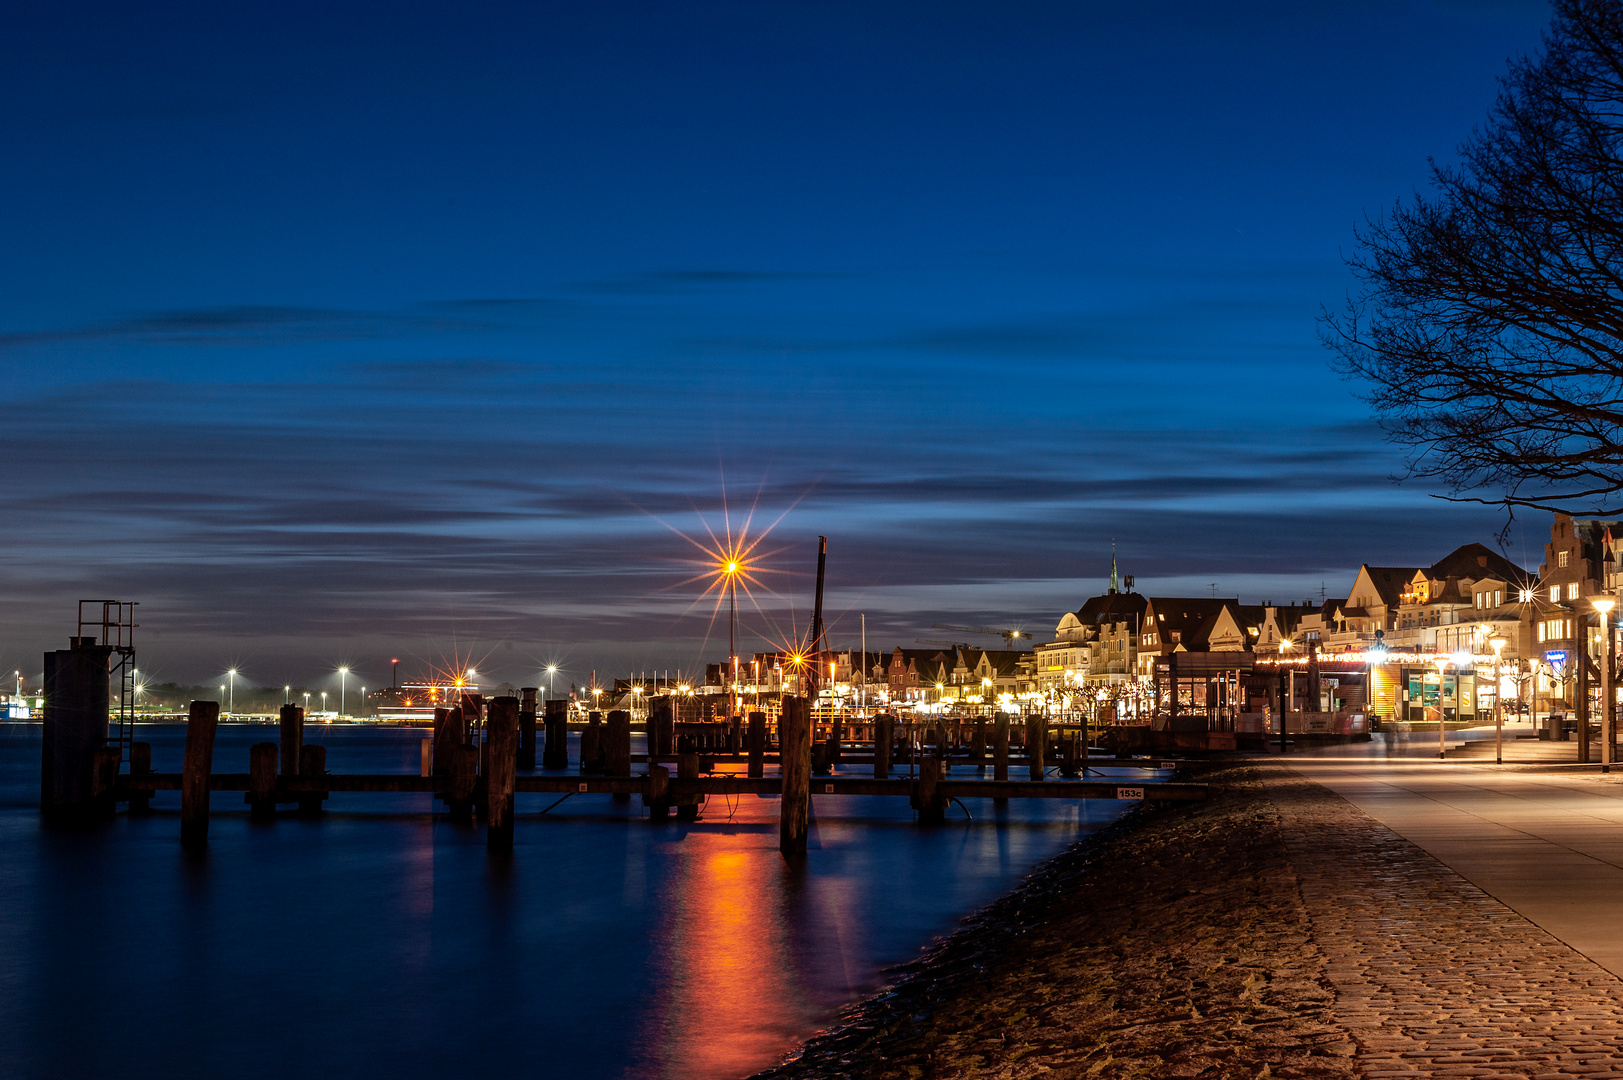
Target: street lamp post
(324, 701)
(1604, 605)
(1498, 645)
(552, 669)
(343, 679)
(1442, 666)
(287, 695)
(363, 702)
(231, 699)
(307, 701)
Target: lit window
(1572, 591)
(1555, 593)
(1561, 558)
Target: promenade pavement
(1544, 838)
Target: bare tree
(1489, 321)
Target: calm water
(382, 940)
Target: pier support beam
(202, 722)
(794, 756)
(555, 754)
(140, 765)
(662, 727)
(658, 796)
(312, 762)
(618, 738)
(928, 798)
(757, 745)
(884, 741)
(503, 735)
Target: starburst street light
(231, 699)
(343, 679)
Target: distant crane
(1010, 635)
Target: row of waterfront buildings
(1405, 642)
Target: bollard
(502, 730)
(140, 765)
(292, 732)
(312, 762)
(261, 793)
(757, 744)
(555, 754)
(526, 726)
(884, 737)
(658, 796)
(1036, 746)
(928, 799)
(794, 757)
(202, 721)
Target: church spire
(1115, 578)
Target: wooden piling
(502, 730)
(464, 783)
(261, 793)
(140, 765)
(590, 742)
(735, 726)
(928, 799)
(1000, 748)
(662, 727)
(977, 745)
(617, 739)
(687, 768)
(658, 796)
(884, 741)
(1036, 745)
(555, 754)
(312, 762)
(427, 764)
(104, 780)
(292, 733)
(526, 726)
(794, 756)
(448, 735)
(202, 722)
(757, 744)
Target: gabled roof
(1111, 608)
(1476, 561)
(1390, 581)
(1005, 662)
(1188, 616)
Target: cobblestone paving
(1274, 931)
(1433, 977)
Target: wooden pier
(472, 764)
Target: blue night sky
(333, 333)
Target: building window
(1555, 594)
(1561, 558)
(1572, 591)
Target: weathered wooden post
(555, 754)
(662, 728)
(618, 745)
(836, 738)
(1000, 748)
(526, 726)
(757, 744)
(1036, 745)
(445, 740)
(140, 765)
(734, 735)
(928, 799)
(75, 727)
(884, 740)
(202, 721)
(687, 806)
(591, 743)
(794, 757)
(977, 746)
(312, 762)
(464, 784)
(261, 793)
(503, 734)
(658, 796)
(292, 738)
